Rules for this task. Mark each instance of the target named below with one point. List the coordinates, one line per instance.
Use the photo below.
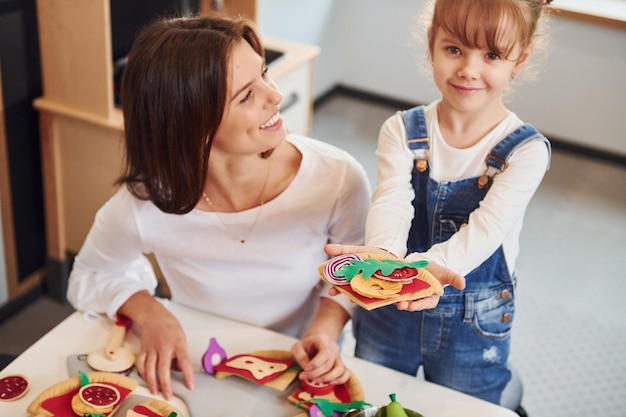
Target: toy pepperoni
(13, 387)
(99, 396)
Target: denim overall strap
(417, 135)
(498, 158)
(418, 142)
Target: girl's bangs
(494, 25)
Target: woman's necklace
(243, 238)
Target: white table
(45, 364)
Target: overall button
(505, 294)
(506, 317)
(421, 165)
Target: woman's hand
(163, 344)
(335, 249)
(317, 352)
(320, 359)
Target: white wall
(306, 22)
(369, 45)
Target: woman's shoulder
(124, 203)
(324, 160)
(319, 150)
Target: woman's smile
(274, 122)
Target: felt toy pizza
(13, 387)
(373, 281)
(95, 393)
(332, 397)
(152, 408)
(277, 369)
(272, 368)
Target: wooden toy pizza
(95, 393)
(373, 281)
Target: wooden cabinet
(82, 130)
(22, 228)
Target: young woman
(235, 211)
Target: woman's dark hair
(173, 93)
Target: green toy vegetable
(394, 408)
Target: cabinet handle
(289, 102)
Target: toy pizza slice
(310, 394)
(272, 368)
(94, 393)
(152, 408)
(373, 281)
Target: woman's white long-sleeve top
(271, 280)
(497, 221)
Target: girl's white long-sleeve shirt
(270, 281)
(497, 221)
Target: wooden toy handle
(115, 341)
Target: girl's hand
(425, 303)
(320, 359)
(445, 276)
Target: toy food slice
(152, 408)
(350, 392)
(59, 399)
(13, 387)
(373, 281)
(272, 368)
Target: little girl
(454, 180)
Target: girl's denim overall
(464, 342)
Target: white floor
(570, 328)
